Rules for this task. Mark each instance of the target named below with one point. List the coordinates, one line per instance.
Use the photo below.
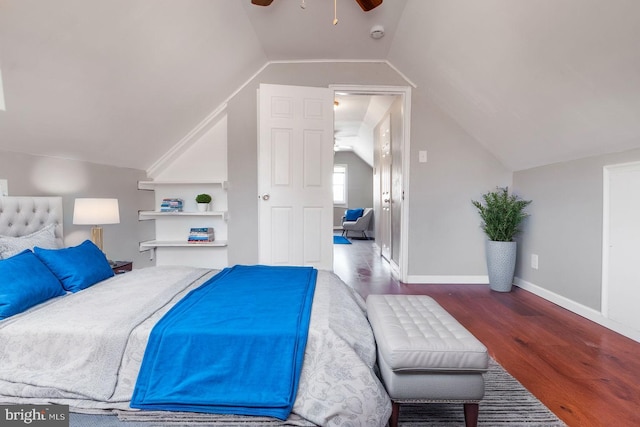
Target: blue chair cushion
(353, 214)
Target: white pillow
(43, 238)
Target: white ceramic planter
(203, 207)
(501, 264)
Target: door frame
(400, 270)
(384, 170)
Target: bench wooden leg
(471, 414)
(395, 414)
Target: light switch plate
(422, 156)
(4, 187)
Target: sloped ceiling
(120, 82)
(535, 82)
(355, 119)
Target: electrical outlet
(534, 261)
(4, 187)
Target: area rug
(506, 403)
(340, 240)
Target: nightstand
(120, 267)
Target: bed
(85, 349)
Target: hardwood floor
(586, 374)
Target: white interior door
(295, 166)
(622, 245)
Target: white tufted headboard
(20, 216)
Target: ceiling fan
(366, 5)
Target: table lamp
(96, 212)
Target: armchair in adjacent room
(357, 220)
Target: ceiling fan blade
(261, 2)
(368, 5)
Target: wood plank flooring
(586, 374)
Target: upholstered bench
(425, 355)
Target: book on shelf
(201, 235)
(171, 205)
(201, 230)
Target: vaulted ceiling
(120, 82)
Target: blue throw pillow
(25, 282)
(353, 214)
(77, 267)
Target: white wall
(203, 159)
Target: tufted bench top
(414, 333)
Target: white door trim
(405, 92)
(604, 297)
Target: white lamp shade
(96, 211)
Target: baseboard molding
(448, 280)
(579, 309)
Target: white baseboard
(582, 310)
(448, 280)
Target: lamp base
(96, 236)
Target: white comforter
(85, 349)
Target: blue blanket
(234, 345)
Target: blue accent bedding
(235, 345)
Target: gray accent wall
(359, 183)
(47, 176)
(565, 226)
(444, 227)
(444, 233)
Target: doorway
(382, 141)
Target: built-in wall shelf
(152, 185)
(169, 245)
(143, 215)
(152, 244)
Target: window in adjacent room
(340, 185)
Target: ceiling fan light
(368, 5)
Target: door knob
(386, 200)
(265, 197)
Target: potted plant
(501, 215)
(203, 201)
